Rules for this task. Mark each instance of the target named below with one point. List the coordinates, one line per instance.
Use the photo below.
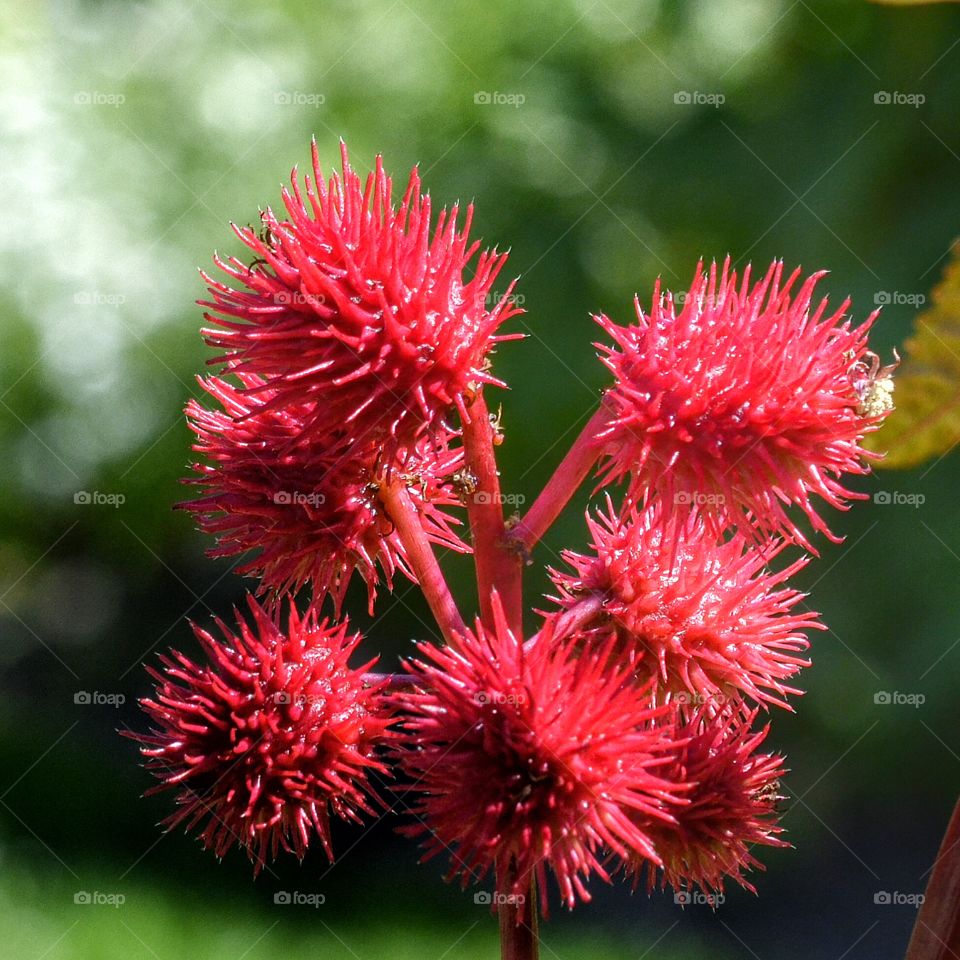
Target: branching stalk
(564, 483)
(499, 565)
(419, 552)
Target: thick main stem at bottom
(420, 556)
(519, 939)
(936, 934)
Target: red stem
(563, 484)
(936, 934)
(420, 555)
(499, 565)
(519, 939)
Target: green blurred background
(133, 132)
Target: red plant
(744, 401)
(351, 427)
(730, 804)
(269, 737)
(705, 618)
(361, 305)
(528, 759)
(307, 512)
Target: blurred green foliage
(99, 924)
(131, 133)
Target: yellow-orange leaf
(926, 422)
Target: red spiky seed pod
(307, 513)
(529, 761)
(730, 805)
(747, 400)
(362, 306)
(706, 620)
(267, 738)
